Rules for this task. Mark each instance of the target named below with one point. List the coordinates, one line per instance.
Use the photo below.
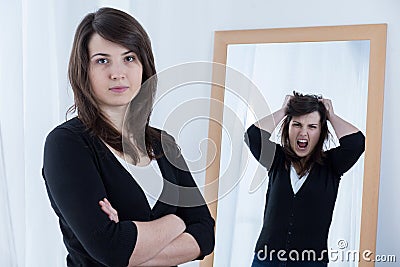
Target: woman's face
(115, 73)
(304, 133)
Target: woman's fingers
(328, 105)
(286, 101)
(104, 207)
(107, 208)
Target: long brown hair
(120, 28)
(300, 105)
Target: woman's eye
(130, 58)
(102, 61)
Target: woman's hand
(269, 123)
(109, 210)
(329, 107)
(286, 101)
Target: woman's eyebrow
(100, 54)
(107, 55)
(127, 52)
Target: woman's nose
(303, 131)
(117, 72)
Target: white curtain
(337, 70)
(7, 246)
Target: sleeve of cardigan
(192, 208)
(343, 157)
(75, 186)
(194, 212)
(260, 146)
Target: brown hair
(300, 105)
(120, 28)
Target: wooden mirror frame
(376, 34)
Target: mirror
(343, 63)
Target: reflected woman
(87, 160)
(303, 179)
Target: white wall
(182, 31)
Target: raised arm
(351, 139)
(341, 127)
(270, 122)
(257, 136)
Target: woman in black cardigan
(112, 74)
(303, 179)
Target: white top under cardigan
(295, 180)
(148, 177)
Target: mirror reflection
(336, 70)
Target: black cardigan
(300, 221)
(79, 170)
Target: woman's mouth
(302, 143)
(119, 89)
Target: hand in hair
(329, 107)
(341, 126)
(286, 101)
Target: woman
(303, 179)
(110, 71)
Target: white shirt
(148, 177)
(295, 180)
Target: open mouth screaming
(302, 143)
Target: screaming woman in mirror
(303, 179)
